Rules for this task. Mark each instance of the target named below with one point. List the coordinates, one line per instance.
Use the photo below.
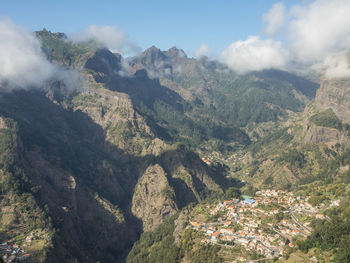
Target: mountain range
(86, 170)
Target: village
(265, 224)
(11, 251)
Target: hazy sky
(182, 23)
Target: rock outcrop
(335, 94)
(153, 199)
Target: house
(295, 232)
(210, 232)
(319, 216)
(227, 223)
(229, 238)
(243, 241)
(227, 231)
(195, 224)
(215, 236)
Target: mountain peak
(152, 54)
(153, 51)
(48, 33)
(176, 52)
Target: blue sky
(181, 23)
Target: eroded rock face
(316, 134)
(335, 94)
(153, 199)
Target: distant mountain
(312, 145)
(221, 97)
(87, 170)
(309, 154)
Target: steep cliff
(334, 94)
(78, 165)
(310, 146)
(153, 200)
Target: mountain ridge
(128, 150)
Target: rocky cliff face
(153, 200)
(92, 160)
(335, 94)
(107, 161)
(324, 135)
(311, 143)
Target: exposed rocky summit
(94, 167)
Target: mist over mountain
(106, 157)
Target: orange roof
(196, 224)
(216, 234)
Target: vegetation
(62, 50)
(20, 212)
(207, 253)
(293, 157)
(221, 109)
(327, 118)
(332, 235)
(159, 246)
(156, 246)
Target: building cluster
(254, 224)
(10, 251)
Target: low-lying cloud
(317, 35)
(22, 63)
(202, 51)
(337, 66)
(255, 54)
(109, 37)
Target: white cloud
(275, 18)
(255, 54)
(337, 66)
(320, 29)
(110, 37)
(317, 38)
(202, 51)
(22, 63)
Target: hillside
(83, 161)
(218, 95)
(138, 142)
(306, 222)
(310, 145)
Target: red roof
(216, 234)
